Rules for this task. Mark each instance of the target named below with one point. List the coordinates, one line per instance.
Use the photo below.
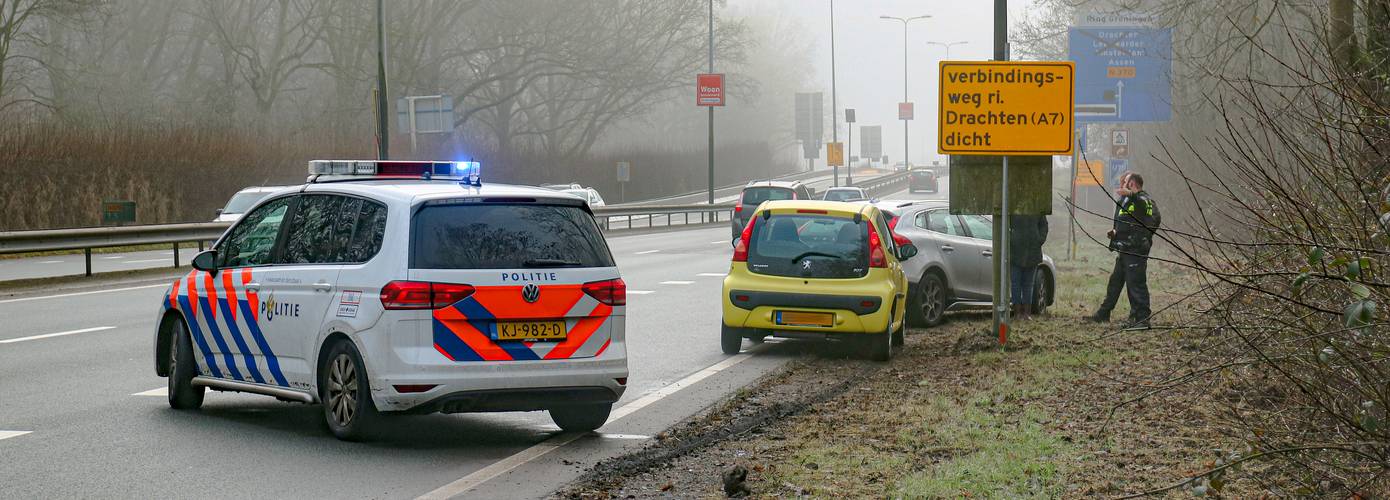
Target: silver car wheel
(931, 300)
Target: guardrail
(707, 214)
(883, 184)
(86, 239)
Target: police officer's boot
(1100, 316)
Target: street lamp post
(948, 46)
(905, 22)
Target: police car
(403, 287)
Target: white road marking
(713, 275)
(640, 292)
(466, 483)
(677, 283)
(603, 435)
(645, 252)
(59, 334)
(159, 391)
(720, 242)
(114, 257)
(52, 262)
(144, 261)
(61, 295)
(10, 434)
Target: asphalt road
(73, 264)
(83, 415)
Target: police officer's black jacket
(1136, 219)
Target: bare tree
(266, 43)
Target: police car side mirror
(906, 252)
(218, 212)
(206, 261)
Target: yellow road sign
(1091, 173)
(835, 154)
(1006, 108)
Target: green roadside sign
(975, 184)
(117, 212)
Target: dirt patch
(823, 375)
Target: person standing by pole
(1136, 219)
(1027, 233)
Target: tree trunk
(1342, 33)
(1378, 36)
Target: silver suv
(953, 269)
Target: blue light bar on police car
(469, 172)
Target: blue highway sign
(1123, 74)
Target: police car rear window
(506, 236)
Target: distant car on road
(243, 200)
(403, 294)
(922, 180)
(901, 166)
(588, 194)
(954, 267)
(562, 187)
(757, 192)
(844, 193)
(817, 270)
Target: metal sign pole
(849, 167)
(410, 104)
(711, 108)
(834, 106)
(383, 137)
(1001, 226)
(1071, 208)
(1002, 303)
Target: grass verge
(954, 415)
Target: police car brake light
(611, 292)
(467, 172)
(422, 295)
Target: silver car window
(940, 221)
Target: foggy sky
(869, 59)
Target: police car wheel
(183, 395)
(581, 418)
(347, 398)
(730, 339)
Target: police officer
(1136, 219)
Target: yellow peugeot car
(817, 270)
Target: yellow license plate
(797, 318)
(531, 330)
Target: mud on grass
(953, 415)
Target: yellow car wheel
(730, 339)
(879, 346)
